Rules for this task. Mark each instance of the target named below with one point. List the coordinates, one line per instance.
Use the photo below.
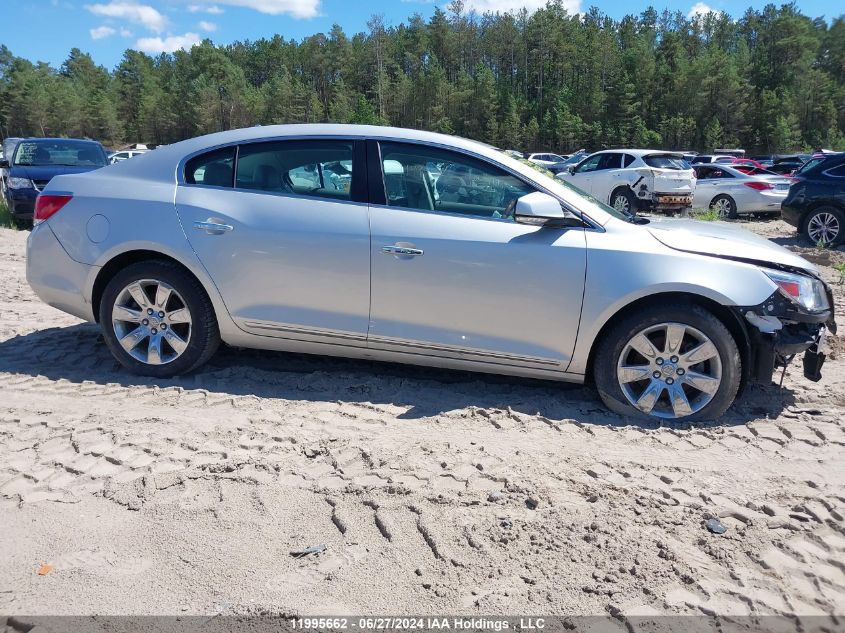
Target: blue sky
(46, 30)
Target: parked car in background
(815, 204)
(546, 160)
(784, 168)
(117, 157)
(736, 153)
(8, 148)
(501, 269)
(37, 161)
(635, 179)
(732, 192)
(708, 158)
(752, 170)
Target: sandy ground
(432, 491)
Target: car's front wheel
(675, 363)
(157, 320)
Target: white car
(126, 155)
(732, 192)
(546, 160)
(634, 179)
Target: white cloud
(124, 32)
(505, 6)
(208, 27)
(294, 8)
(102, 32)
(167, 44)
(213, 9)
(699, 8)
(138, 13)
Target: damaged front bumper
(779, 329)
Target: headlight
(20, 183)
(807, 292)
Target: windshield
(665, 161)
(67, 153)
(595, 202)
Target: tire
(726, 206)
(825, 224)
(187, 335)
(626, 198)
(615, 351)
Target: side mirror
(541, 209)
(571, 169)
(4, 164)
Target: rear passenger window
(628, 159)
(213, 169)
(836, 172)
(322, 169)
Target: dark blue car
(35, 162)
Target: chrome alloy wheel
(621, 203)
(724, 207)
(669, 370)
(151, 322)
(823, 227)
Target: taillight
(47, 204)
(759, 186)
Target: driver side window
(431, 179)
(591, 164)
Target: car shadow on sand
(78, 354)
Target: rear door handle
(213, 227)
(398, 249)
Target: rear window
(215, 169)
(809, 165)
(322, 169)
(662, 161)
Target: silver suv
(413, 247)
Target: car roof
(640, 152)
(162, 163)
(49, 139)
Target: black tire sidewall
(610, 348)
(205, 336)
(840, 237)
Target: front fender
(626, 264)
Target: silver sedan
(414, 247)
(732, 192)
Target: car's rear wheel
(624, 200)
(157, 320)
(675, 363)
(725, 206)
(826, 226)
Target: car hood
(47, 172)
(719, 239)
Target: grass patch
(840, 268)
(711, 215)
(6, 221)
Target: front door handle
(213, 227)
(402, 250)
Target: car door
(606, 176)
(286, 244)
(453, 275)
(582, 175)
